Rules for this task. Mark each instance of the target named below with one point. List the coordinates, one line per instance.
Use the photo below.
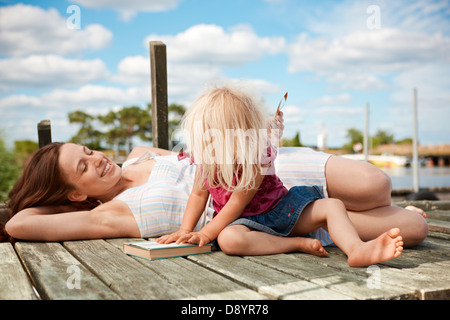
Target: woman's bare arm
(110, 220)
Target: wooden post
(415, 163)
(158, 72)
(366, 134)
(44, 133)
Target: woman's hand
(173, 237)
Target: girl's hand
(194, 238)
(169, 238)
(276, 124)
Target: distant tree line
(117, 129)
(381, 137)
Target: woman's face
(91, 172)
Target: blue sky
(332, 57)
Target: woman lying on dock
(69, 192)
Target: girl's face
(91, 172)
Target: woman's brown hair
(41, 184)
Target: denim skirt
(281, 220)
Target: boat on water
(382, 161)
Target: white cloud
(211, 44)
(195, 58)
(133, 70)
(379, 51)
(340, 99)
(129, 8)
(49, 71)
(27, 29)
(88, 96)
(24, 111)
(432, 83)
(344, 80)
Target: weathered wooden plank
(427, 205)
(438, 215)
(403, 272)
(201, 283)
(123, 274)
(344, 282)
(426, 281)
(438, 226)
(437, 240)
(56, 274)
(158, 72)
(301, 290)
(14, 282)
(267, 281)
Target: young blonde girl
(227, 138)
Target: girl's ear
(76, 196)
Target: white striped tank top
(158, 205)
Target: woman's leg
(240, 240)
(365, 191)
(360, 185)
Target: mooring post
(44, 133)
(158, 72)
(415, 162)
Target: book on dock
(152, 250)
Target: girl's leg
(365, 191)
(240, 240)
(333, 214)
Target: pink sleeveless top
(270, 192)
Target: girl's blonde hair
(225, 133)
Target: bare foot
(387, 246)
(311, 246)
(418, 210)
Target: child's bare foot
(418, 210)
(311, 246)
(387, 246)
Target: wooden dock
(98, 270)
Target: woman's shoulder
(140, 150)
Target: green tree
(125, 124)
(119, 127)
(354, 136)
(382, 137)
(87, 135)
(404, 141)
(9, 171)
(294, 142)
(23, 149)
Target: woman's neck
(135, 175)
(123, 184)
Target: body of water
(429, 177)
